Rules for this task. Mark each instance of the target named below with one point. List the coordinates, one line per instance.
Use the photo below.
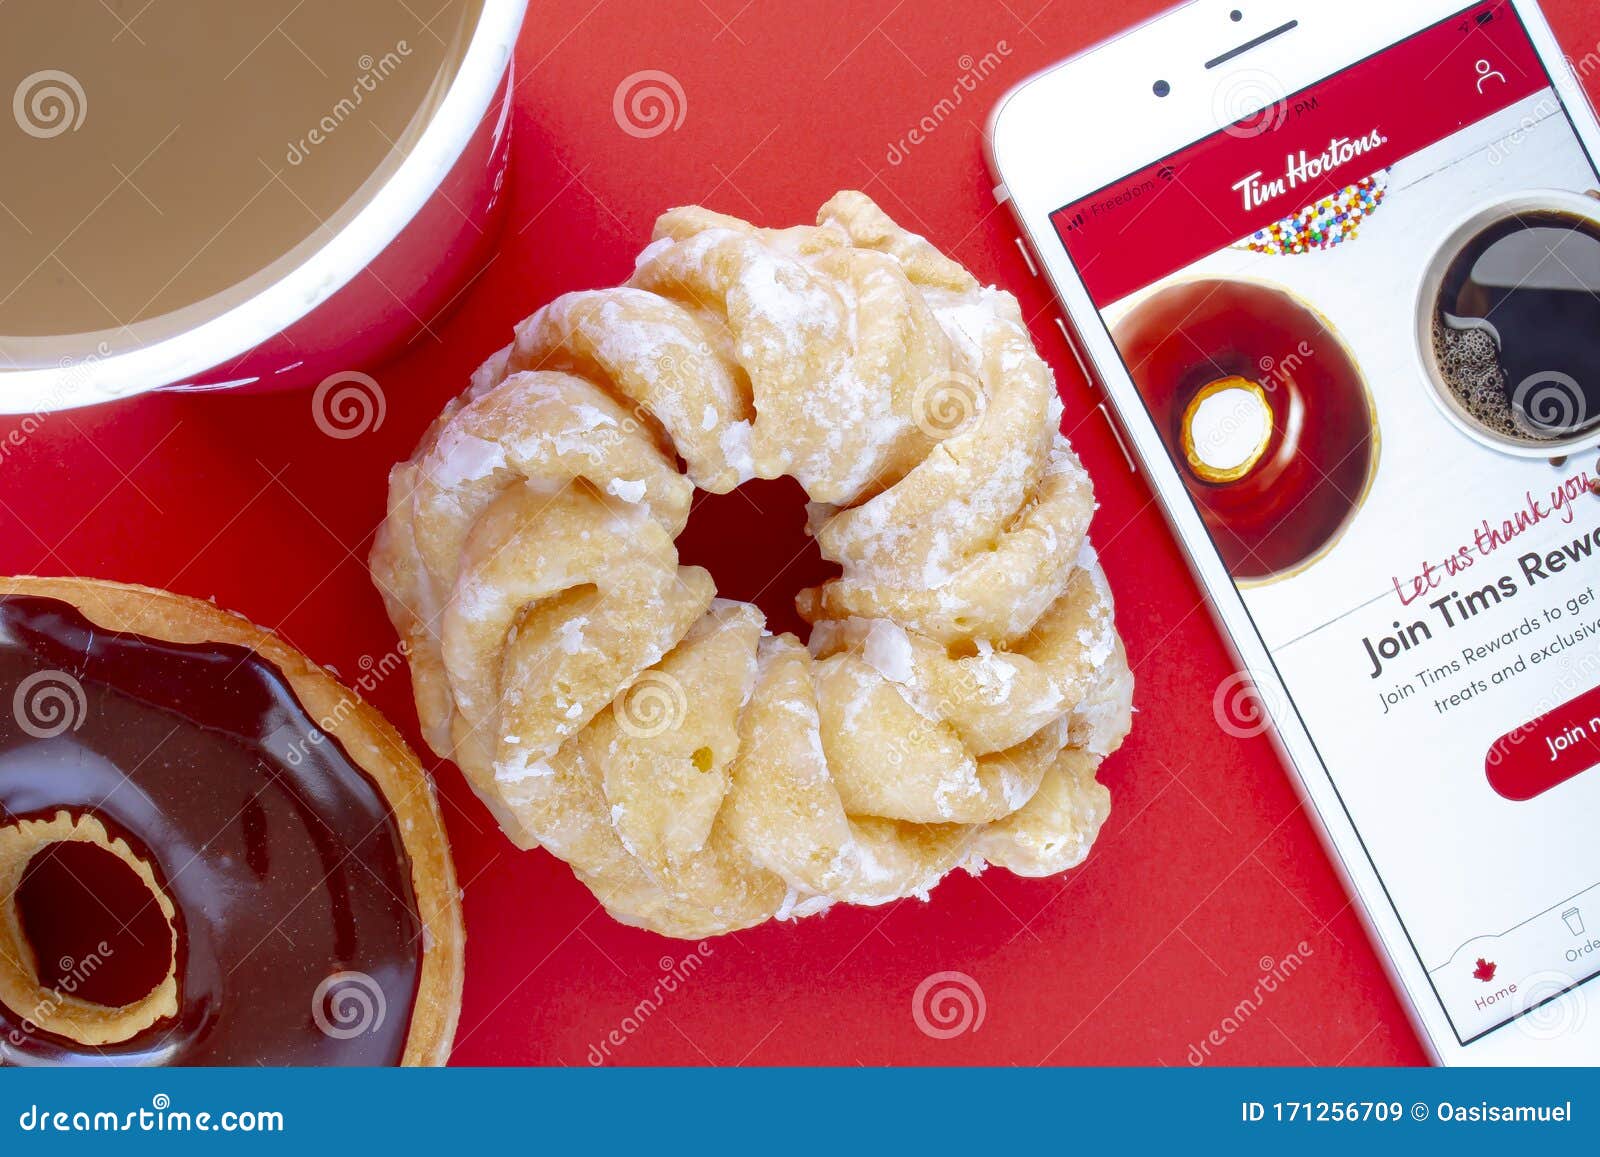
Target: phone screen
(1366, 323)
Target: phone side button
(1066, 336)
(1116, 432)
(1027, 257)
(1577, 79)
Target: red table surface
(1208, 872)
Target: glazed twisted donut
(963, 678)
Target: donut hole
(95, 929)
(753, 540)
(88, 936)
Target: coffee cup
(242, 196)
(1507, 325)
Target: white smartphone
(1337, 271)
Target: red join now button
(1561, 743)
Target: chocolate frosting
(281, 855)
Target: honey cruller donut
(963, 679)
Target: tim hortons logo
(1302, 168)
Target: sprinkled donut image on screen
(1364, 337)
(1264, 409)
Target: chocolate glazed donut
(290, 850)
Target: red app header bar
(1311, 145)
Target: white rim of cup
(237, 330)
(1427, 292)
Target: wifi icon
(1166, 172)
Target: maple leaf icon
(1485, 970)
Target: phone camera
(1161, 88)
(1236, 16)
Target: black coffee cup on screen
(1508, 323)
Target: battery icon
(1574, 920)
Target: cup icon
(1574, 919)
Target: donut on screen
(1265, 411)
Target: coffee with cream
(161, 162)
